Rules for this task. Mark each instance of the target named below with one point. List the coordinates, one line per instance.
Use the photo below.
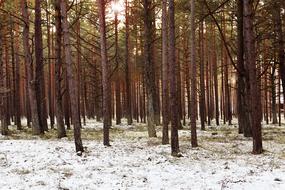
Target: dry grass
(21, 171)
(223, 140)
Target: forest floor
(223, 160)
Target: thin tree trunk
(193, 78)
(178, 73)
(279, 101)
(66, 106)
(216, 83)
(117, 82)
(273, 95)
(208, 79)
(127, 73)
(105, 74)
(73, 92)
(202, 79)
(165, 91)
(50, 71)
(266, 98)
(78, 62)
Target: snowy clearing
(222, 161)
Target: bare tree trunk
(250, 59)
(3, 90)
(118, 101)
(242, 107)
(78, 61)
(66, 103)
(28, 105)
(165, 91)
(61, 132)
(193, 78)
(83, 95)
(30, 75)
(273, 95)
(266, 99)
(202, 79)
(149, 67)
(105, 73)
(73, 92)
(279, 102)
(227, 91)
(127, 73)
(208, 79)
(280, 41)
(16, 60)
(186, 60)
(39, 77)
(117, 82)
(172, 68)
(50, 69)
(178, 91)
(216, 83)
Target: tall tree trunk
(66, 104)
(51, 73)
(3, 90)
(117, 82)
(279, 102)
(73, 92)
(30, 73)
(216, 83)
(273, 95)
(280, 41)
(193, 78)
(227, 91)
(27, 95)
(202, 105)
(242, 106)
(50, 69)
(266, 99)
(208, 78)
(7, 85)
(178, 73)
(78, 62)
(149, 66)
(15, 50)
(172, 68)
(165, 91)
(127, 73)
(58, 72)
(250, 59)
(39, 78)
(105, 73)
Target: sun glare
(116, 7)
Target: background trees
(134, 59)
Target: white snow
(136, 162)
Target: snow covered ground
(222, 161)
